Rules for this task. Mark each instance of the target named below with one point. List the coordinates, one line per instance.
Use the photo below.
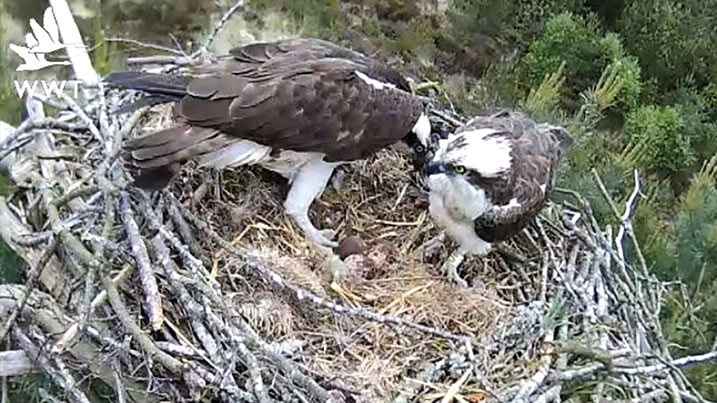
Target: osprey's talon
(321, 242)
(329, 234)
(450, 268)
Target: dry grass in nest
(379, 201)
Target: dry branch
(227, 15)
(153, 305)
(32, 276)
(51, 365)
(76, 50)
(15, 363)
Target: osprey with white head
(490, 178)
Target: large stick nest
(206, 291)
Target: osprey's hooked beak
(435, 168)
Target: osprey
(489, 178)
(297, 107)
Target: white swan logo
(43, 40)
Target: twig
(120, 278)
(193, 309)
(550, 395)
(83, 116)
(83, 191)
(449, 119)
(153, 299)
(172, 364)
(42, 359)
(185, 231)
(456, 387)
(530, 385)
(626, 218)
(587, 371)
(147, 45)
(109, 220)
(32, 277)
(678, 363)
(205, 47)
(176, 349)
(163, 60)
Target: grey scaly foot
(450, 267)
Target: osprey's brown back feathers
(301, 95)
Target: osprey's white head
(461, 162)
(486, 152)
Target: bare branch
(205, 47)
(153, 305)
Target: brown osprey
(298, 107)
(490, 178)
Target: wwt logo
(44, 40)
(49, 87)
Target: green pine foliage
(673, 40)
(695, 232)
(658, 133)
(690, 316)
(567, 38)
(578, 42)
(627, 68)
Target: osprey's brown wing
(316, 106)
(282, 99)
(257, 59)
(520, 193)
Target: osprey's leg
(478, 248)
(451, 265)
(307, 185)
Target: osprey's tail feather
(158, 88)
(155, 84)
(157, 157)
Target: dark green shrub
(658, 133)
(568, 38)
(672, 39)
(321, 18)
(511, 21)
(578, 42)
(628, 71)
(700, 125)
(152, 20)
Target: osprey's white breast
(452, 219)
(461, 200)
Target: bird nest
(207, 291)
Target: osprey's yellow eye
(459, 169)
(420, 148)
